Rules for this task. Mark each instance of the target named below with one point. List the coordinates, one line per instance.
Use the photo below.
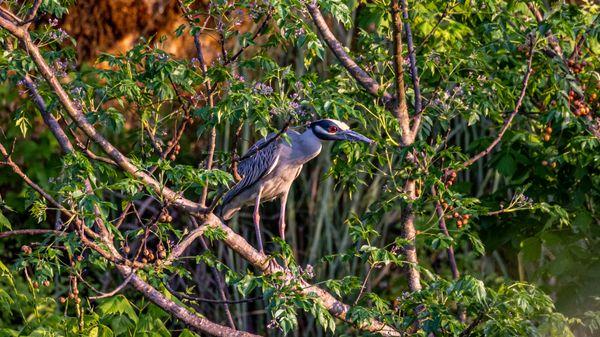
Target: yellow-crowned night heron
(273, 164)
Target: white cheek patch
(341, 125)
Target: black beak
(354, 137)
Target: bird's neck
(309, 146)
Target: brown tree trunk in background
(115, 26)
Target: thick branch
(65, 145)
(199, 323)
(52, 123)
(269, 266)
(337, 48)
(400, 106)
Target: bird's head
(331, 129)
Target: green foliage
(528, 254)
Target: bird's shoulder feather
(265, 155)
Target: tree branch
(28, 232)
(81, 121)
(337, 48)
(32, 13)
(552, 40)
(115, 291)
(507, 122)
(268, 266)
(198, 322)
(414, 72)
(400, 107)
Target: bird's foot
(271, 265)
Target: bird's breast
(279, 181)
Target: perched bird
(273, 163)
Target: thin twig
(116, 290)
(414, 71)
(28, 232)
(444, 229)
(32, 13)
(467, 332)
(258, 31)
(495, 142)
(17, 170)
(208, 300)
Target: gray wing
(256, 166)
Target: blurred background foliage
(528, 251)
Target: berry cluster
(73, 294)
(547, 133)
(449, 177)
(165, 217)
(148, 255)
(551, 164)
(26, 249)
(160, 251)
(578, 104)
(461, 219)
(176, 150)
(576, 67)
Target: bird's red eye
(333, 129)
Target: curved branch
(199, 323)
(269, 266)
(115, 291)
(17, 170)
(495, 142)
(337, 48)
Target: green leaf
(4, 223)
(118, 305)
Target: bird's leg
(256, 219)
(282, 216)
